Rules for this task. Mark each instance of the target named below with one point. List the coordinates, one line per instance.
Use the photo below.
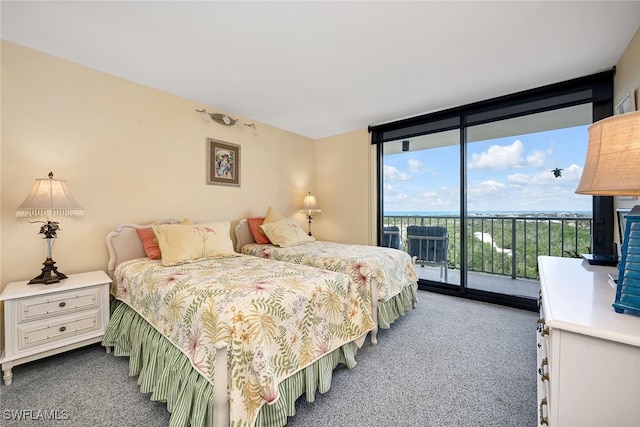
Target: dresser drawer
(48, 331)
(58, 303)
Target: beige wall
(627, 78)
(345, 177)
(129, 154)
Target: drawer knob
(62, 304)
(63, 328)
(543, 377)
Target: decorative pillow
(180, 244)
(254, 228)
(150, 243)
(286, 232)
(272, 215)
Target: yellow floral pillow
(180, 243)
(285, 232)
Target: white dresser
(588, 355)
(41, 320)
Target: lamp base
(49, 275)
(310, 218)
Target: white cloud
(486, 189)
(536, 159)
(492, 185)
(520, 179)
(499, 157)
(393, 174)
(415, 165)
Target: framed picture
(627, 104)
(223, 163)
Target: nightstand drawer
(59, 328)
(58, 303)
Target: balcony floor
(486, 282)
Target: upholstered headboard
(243, 235)
(124, 244)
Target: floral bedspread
(389, 269)
(275, 318)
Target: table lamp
(612, 168)
(310, 206)
(49, 197)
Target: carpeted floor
(450, 362)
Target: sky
(512, 174)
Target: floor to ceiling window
(476, 193)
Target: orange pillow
(256, 232)
(150, 243)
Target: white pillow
(286, 232)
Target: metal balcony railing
(506, 245)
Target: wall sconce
(611, 169)
(225, 120)
(49, 197)
(310, 206)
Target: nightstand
(42, 320)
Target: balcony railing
(506, 245)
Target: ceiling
(328, 67)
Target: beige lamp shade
(309, 204)
(612, 167)
(49, 197)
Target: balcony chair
(391, 237)
(430, 246)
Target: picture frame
(223, 163)
(627, 104)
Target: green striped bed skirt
(166, 373)
(399, 305)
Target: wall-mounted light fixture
(225, 120)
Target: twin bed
(233, 339)
(386, 277)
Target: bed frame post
(220, 395)
(374, 312)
